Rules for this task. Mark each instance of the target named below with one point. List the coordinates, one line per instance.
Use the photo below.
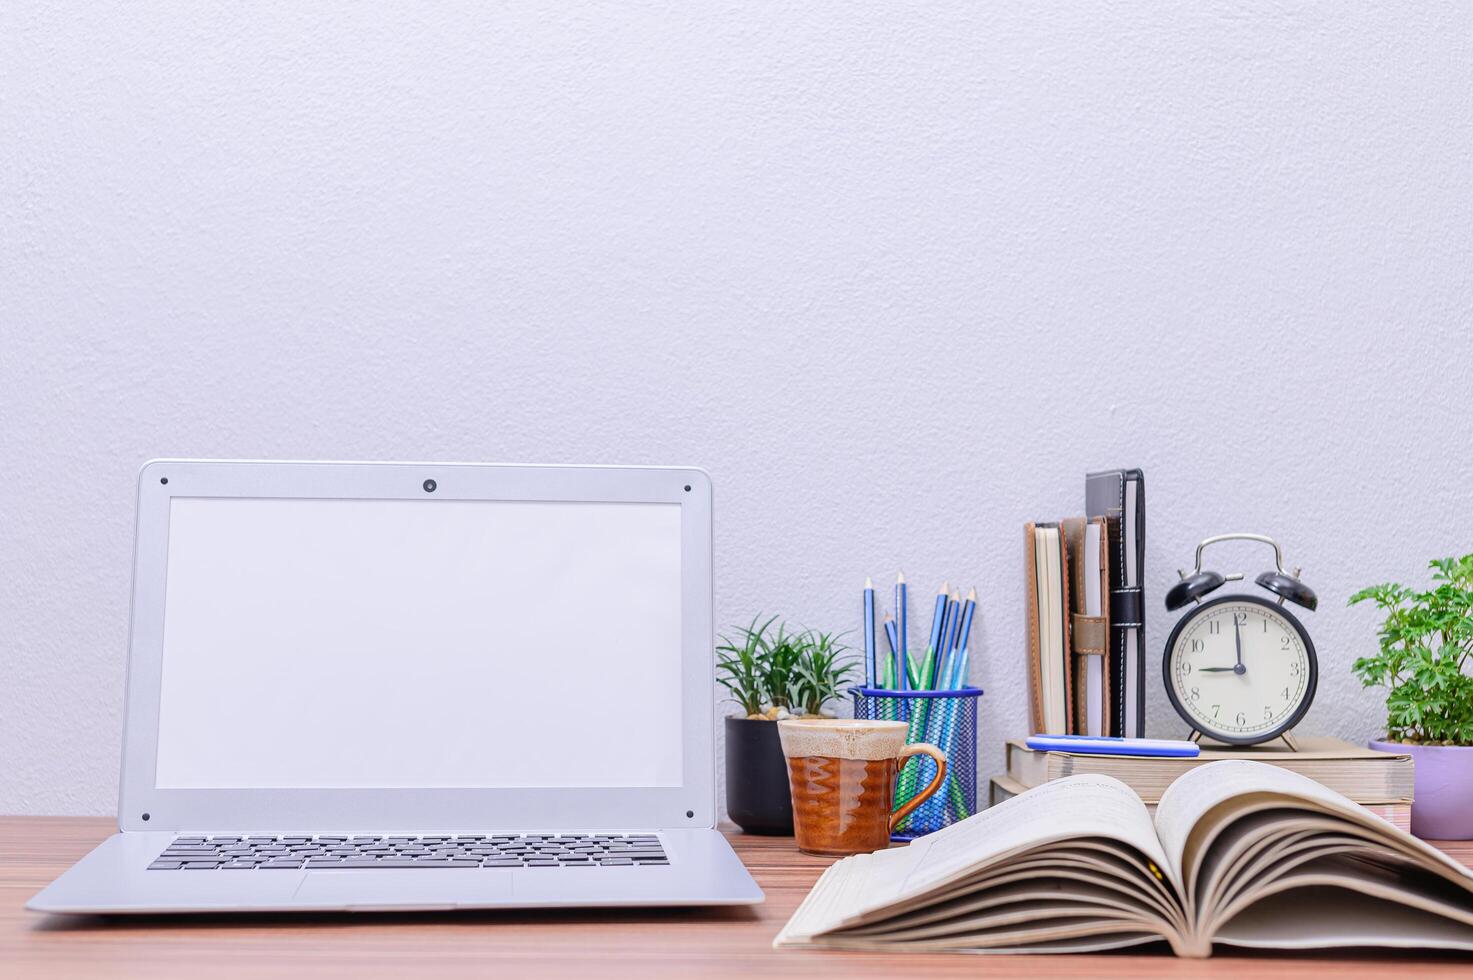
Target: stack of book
(1379, 781)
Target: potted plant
(771, 674)
(1425, 649)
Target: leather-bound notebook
(1119, 496)
(1087, 547)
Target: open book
(1239, 853)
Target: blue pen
(1106, 745)
(869, 633)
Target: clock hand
(1236, 668)
(1238, 644)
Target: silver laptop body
(393, 686)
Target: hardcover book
(1363, 775)
(1000, 789)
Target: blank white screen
(314, 643)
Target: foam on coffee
(842, 738)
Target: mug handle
(920, 748)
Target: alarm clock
(1240, 668)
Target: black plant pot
(757, 795)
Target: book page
(1358, 914)
(1083, 806)
(1064, 810)
(1196, 792)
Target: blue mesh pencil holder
(946, 719)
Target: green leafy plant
(775, 669)
(820, 672)
(784, 652)
(1426, 644)
(741, 667)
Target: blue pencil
(938, 618)
(953, 620)
(969, 607)
(944, 649)
(901, 651)
(869, 633)
(945, 625)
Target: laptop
(394, 686)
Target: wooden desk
(619, 943)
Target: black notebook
(1119, 496)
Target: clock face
(1240, 669)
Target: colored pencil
(869, 633)
(953, 622)
(945, 625)
(901, 649)
(964, 636)
(938, 617)
(887, 681)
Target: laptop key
(166, 866)
(445, 863)
(615, 861)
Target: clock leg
(1196, 736)
(1288, 738)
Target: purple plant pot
(1442, 797)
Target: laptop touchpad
(403, 888)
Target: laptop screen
(324, 643)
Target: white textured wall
(896, 274)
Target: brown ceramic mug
(842, 776)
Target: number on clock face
(1238, 669)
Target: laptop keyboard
(486, 851)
